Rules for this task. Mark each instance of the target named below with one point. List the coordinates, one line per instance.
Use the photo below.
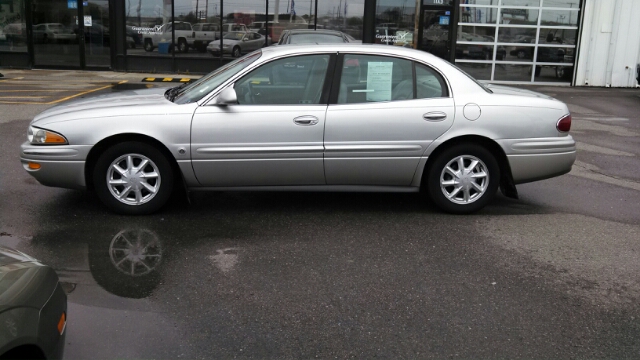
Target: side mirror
(228, 96)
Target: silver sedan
(237, 43)
(323, 118)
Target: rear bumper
(538, 159)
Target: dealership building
(559, 42)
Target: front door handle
(434, 116)
(306, 120)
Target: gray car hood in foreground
(116, 104)
(24, 282)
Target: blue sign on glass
(447, 12)
(85, 3)
(444, 20)
(72, 4)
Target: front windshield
(199, 89)
(234, 35)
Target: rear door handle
(306, 120)
(434, 116)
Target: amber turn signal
(62, 324)
(34, 166)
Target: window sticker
(379, 81)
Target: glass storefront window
(529, 36)
(519, 16)
(559, 17)
(149, 27)
(562, 3)
(478, 15)
(395, 23)
(13, 29)
(476, 33)
(517, 35)
(289, 15)
(345, 16)
(534, 3)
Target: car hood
(121, 103)
(507, 90)
(11, 256)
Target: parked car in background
(184, 36)
(310, 36)
(33, 308)
(53, 33)
(237, 43)
(204, 33)
(16, 33)
(300, 117)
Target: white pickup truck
(204, 33)
(162, 34)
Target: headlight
(38, 136)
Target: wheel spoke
(472, 166)
(125, 192)
(118, 169)
(117, 182)
(467, 194)
(130, 162)
(142, 165)
(150, 188)
(449, 183)
(149, 175)
(451, 172)
(479, 188)
(138, 196)
(478, 175)
(460, 164)
(454, 192)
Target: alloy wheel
(464, 179)
(133, 179)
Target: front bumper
(539, 158)
(60, 166)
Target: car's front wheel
(133, 178)
(236, 52)
(463, 178)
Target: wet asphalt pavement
(300, 275)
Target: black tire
(45, 39)
(149, 203)
(477, 200)
(236, 52)
(521, 54)
(148, 45)
(183, 47)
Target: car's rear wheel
(236, 52)
(183, 47)
(133, 178)
(463, 178)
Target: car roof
(373, 49)
(311, 31)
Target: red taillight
(564, 124)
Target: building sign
(444, 20)
(437, 2)
(72, 4)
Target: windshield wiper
(173, 92)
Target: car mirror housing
(228, 96)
